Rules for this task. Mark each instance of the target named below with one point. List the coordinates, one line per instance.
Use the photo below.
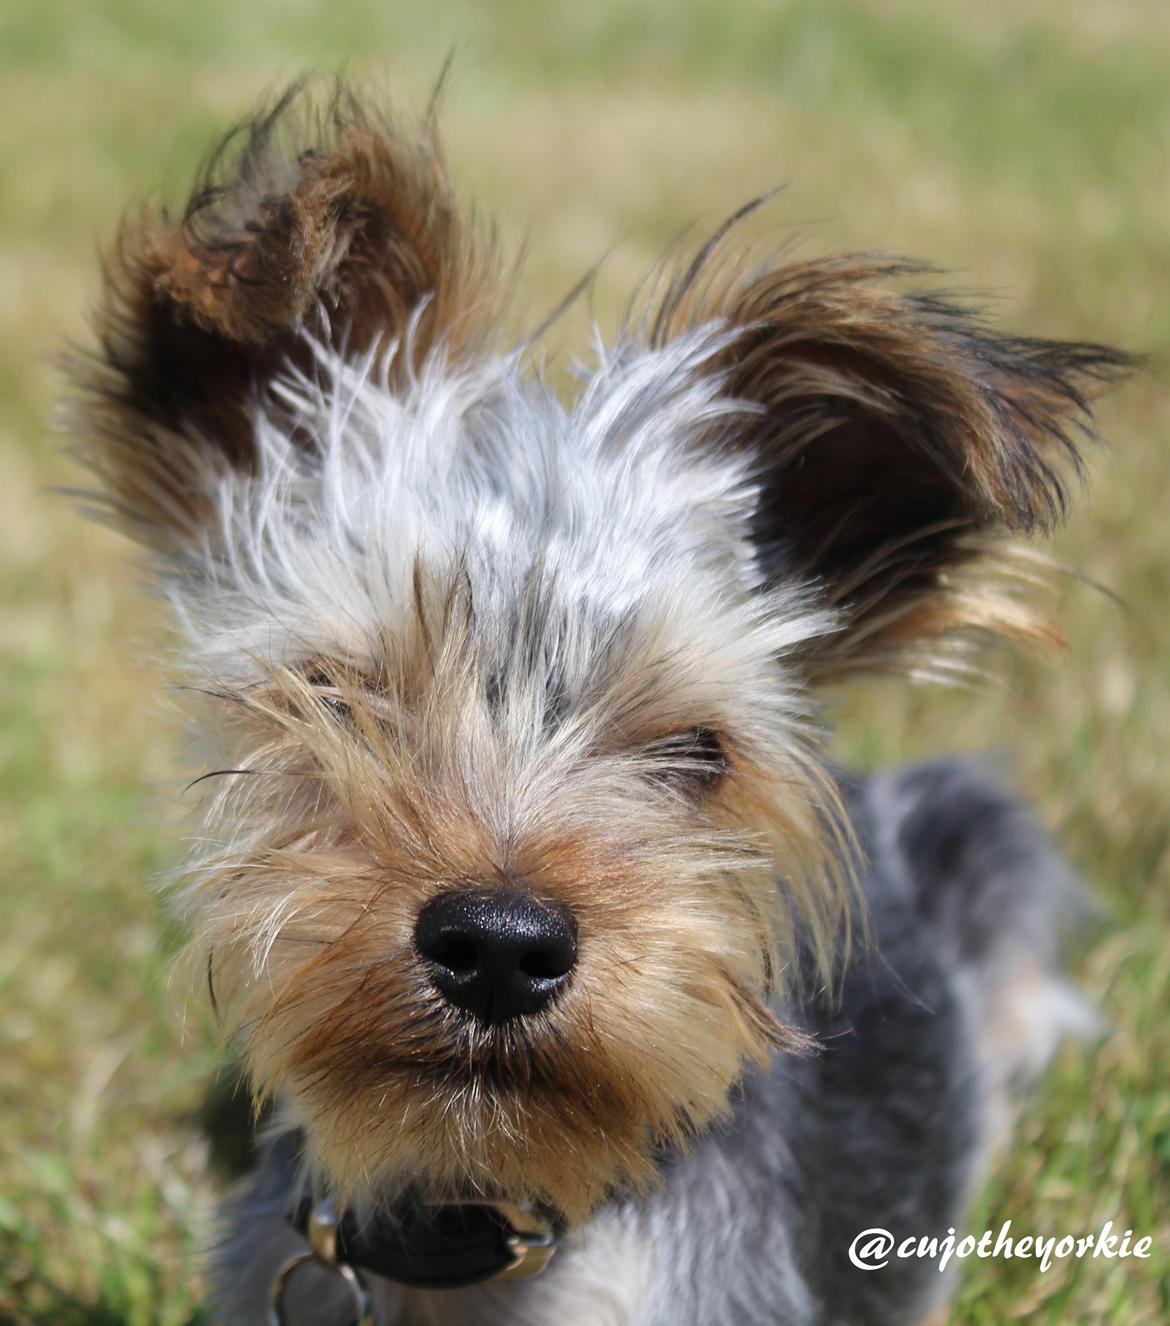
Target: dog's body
(523, 871)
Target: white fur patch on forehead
(484, 474)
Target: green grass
(1023, 146)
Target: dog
(522, 885)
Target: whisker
(271, 773)
(220, 773)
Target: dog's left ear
(895, 437)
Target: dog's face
(516, 820)
(506, 692)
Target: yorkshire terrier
(523, 887)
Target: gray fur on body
(953, 1000)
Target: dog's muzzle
(448, 1245)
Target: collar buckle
(532, 1238)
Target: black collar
(441, 1246)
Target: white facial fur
(611, 503)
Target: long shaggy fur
(450, 632)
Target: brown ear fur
(898, 436)
(330, 221)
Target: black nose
(499, 954)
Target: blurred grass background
(1023, 146)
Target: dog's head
(517, 819)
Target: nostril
(549, 964)
(457, 955)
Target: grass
(1022, 146)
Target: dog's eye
(327, 693)
(695, 760)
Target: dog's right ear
(329, 223)
(898, 441)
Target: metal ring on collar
(359, 1299)
(322, 1236)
